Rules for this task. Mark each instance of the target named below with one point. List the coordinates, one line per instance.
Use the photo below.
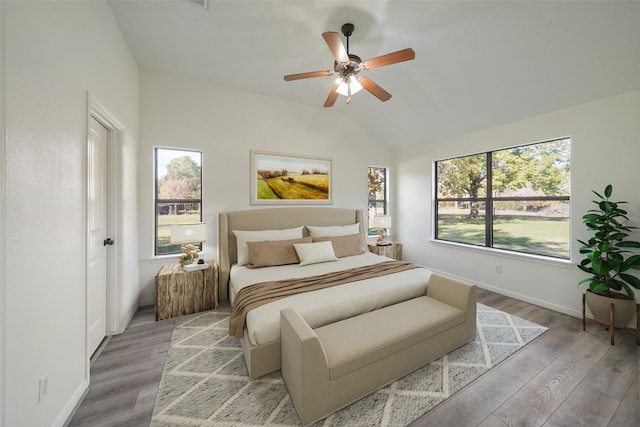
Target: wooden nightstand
(394, 250)
(180, 292)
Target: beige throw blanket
(258, 294)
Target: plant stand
(611, 329)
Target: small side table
(180, 292)
(394, 250)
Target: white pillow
(313, 253)
(334, 230)
(244, 236)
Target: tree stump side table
(180, 292)
(394, 250)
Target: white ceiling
(478, 64)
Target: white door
(98, 244)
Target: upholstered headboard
(272, 219)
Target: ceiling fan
(347, 66)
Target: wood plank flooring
(564, 378)
(125, 376)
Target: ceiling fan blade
(390, 58)
(336, 46)
(333, 95)
(374, 89)
(299, 76)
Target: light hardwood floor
(564, 378)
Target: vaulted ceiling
(478, 64)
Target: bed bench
(328, 368)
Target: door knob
(108, 242)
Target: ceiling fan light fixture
(348, 85)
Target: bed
(260, 338)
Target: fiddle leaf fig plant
(607, 258)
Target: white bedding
(330, 304)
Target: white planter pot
(624, 309)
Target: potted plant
(608, 261)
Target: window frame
(157, 201)
(489, 201)
(385, 201)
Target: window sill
(163, 259)
(538, 259)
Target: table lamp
(382, 223)
(187, 235)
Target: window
(178, 198)
(515, 199)
(378, 204)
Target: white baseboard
(516, 295)
(70, 409)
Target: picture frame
(290, 179)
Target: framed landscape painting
(283, 178)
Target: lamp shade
(188, 233)
(382, 221)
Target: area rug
(205, 382)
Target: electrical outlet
(497, 268)
(43, 387)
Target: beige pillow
(313, 253)
(333, 230)
(244, 236)
(274, 252)
(344, 245)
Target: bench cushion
(385, 331)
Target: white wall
(605, 139)
(226, 124)
(3, 186)
(54, 53)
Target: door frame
(115, 214)
(3, 216)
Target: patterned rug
(205, 380)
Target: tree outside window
(178, 198)
(378, 204)
(515, 199)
